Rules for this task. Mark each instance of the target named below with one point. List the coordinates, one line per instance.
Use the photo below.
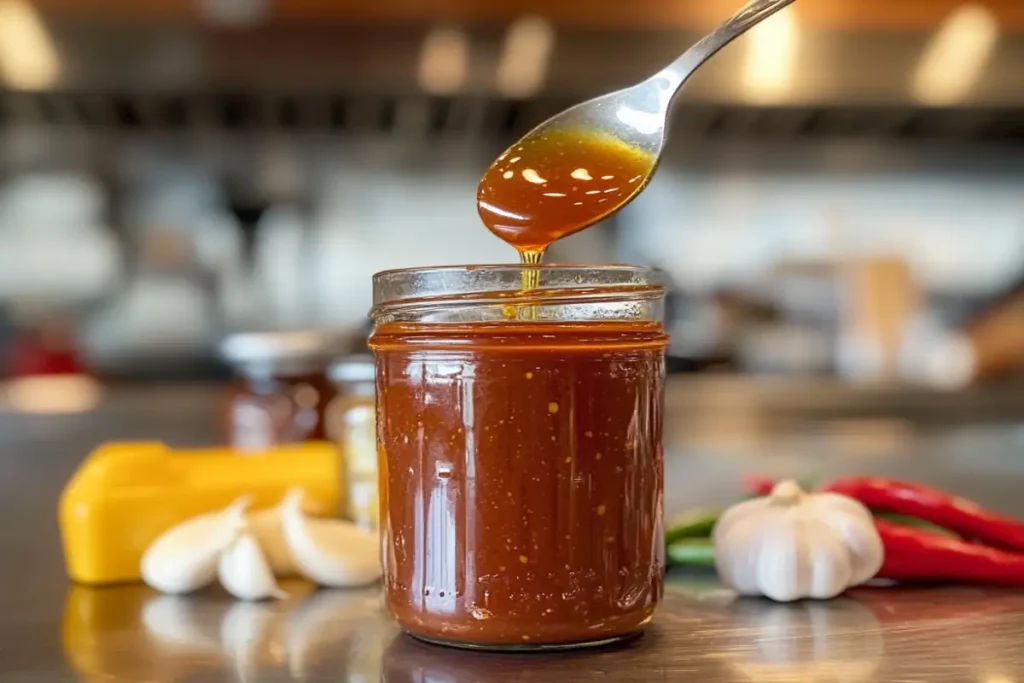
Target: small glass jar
(281, 392)
(351, 425)
(521, 468)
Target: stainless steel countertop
(51, 631)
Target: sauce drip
(555, 183)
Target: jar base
(525, 647)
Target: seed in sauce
(552, 407)
(529, 375)
(524, 559)
(589, 434)
(597, 456)
(600, 510)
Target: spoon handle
(754, 13)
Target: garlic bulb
(184, 558)
(268, 528)
(244, 572)
(330, 552)
(791, 545)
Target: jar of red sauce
(519, 436)
(281, 391)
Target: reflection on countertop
(702, 632)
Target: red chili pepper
(756, 485)
(967, 519)
(913, 554)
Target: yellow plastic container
(125, 495)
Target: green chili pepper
(905, 520)
(692, 551)
(692, 524)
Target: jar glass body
(351, 425)
(520, 460)
(266, 407)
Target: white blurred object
(785, 349)
(52, 244)
(933, 355)
(56, 202)
(881, 299)
(68, 268)
(160, 317)
(281, 267)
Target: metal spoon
(527, 197)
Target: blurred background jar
(281, 392)
(351, 424)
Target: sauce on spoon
(556, 183)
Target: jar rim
(409, 289)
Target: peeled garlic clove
(184, 558)
(267, 526)
(330, 552)
(244, 571)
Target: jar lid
(291, 348)
(359, 368)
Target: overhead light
(770, 58)
(28, 59)
(444, 61)
(956, 56)
(525, 56)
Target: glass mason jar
(351, 425)
(519, 438)
(281, 391)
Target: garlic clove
(330, 552)
(244, 572)
(184, 558)
(848, 518)
(268, 528)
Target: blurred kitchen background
(842, 205)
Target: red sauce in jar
(281, 391)
(262, 412)
(521, 478)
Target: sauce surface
(521, 478)
(554, 184)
